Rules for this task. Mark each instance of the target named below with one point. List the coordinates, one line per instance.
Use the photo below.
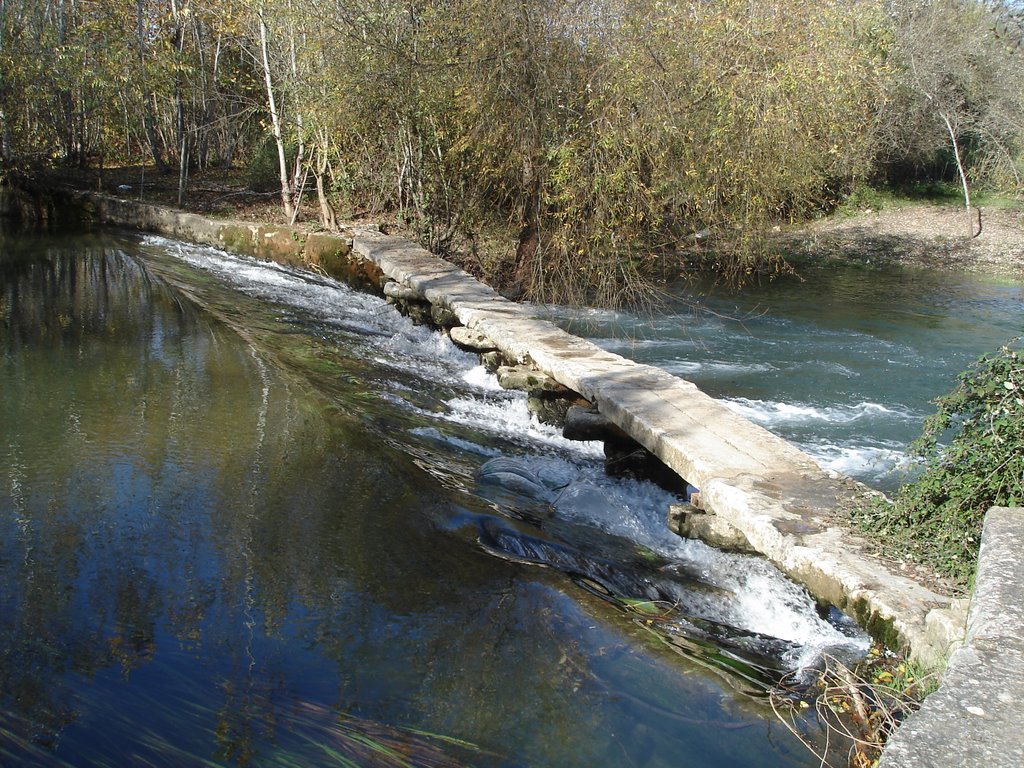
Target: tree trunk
(148, 114)
(298, 174)
(971, 233)
(275, 119)
(327, 215)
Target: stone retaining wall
(971, 721)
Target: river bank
(925, 234)
(915, 234)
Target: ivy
(971, 452)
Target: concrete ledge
(776, 497)
(973, 720)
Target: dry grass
(858, 709)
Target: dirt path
(924, 235)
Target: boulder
(393, 290)
(472, 340)
(530, 381)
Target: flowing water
(251, 517)
(842, 361)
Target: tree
(957, 85)
(275, 115)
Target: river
(245, 520)
(843, 361)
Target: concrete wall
(971, 721)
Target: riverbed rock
(393, 290)
(587, 423)
(442, 316)
(474, 341)
(549, 410)
(492, 361)
(690, 522)
(530, 381)
(513, 475)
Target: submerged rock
(514, 476)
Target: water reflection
(205, 561)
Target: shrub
(972, 455)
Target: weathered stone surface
(694, 523)
(973, 720)
(492, 361)
(401, 292)
(549, 410)
(280, 244)
(467, 338)
(587, 424)
(328, 251)
(239, 238)
(442, 316)
(528, 380)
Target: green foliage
(585, 142)
(937, 517)
(261, 171)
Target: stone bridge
(755, 487)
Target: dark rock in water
(492, 361)
(549, 410)
(585, 424)
(442, 316)
(640, 589)
(516, 477)
(627, 458)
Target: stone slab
(777, 497)
(972, 721)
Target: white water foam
(752, 594)
(757, 597)
(859, 460)
(508, 415)
(399, 342)
(479, 378)
(714, 367)
(771, 413)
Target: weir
(754, 487)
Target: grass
(872, 198)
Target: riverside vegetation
(972, 458)
(566, 151)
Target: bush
(972, 455)
(262, 173)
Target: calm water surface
(241, 523)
